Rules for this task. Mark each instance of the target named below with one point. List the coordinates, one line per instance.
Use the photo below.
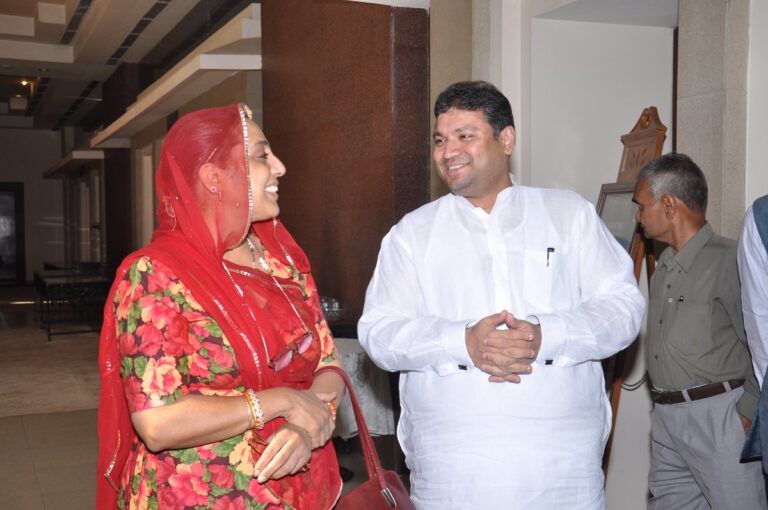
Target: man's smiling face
(470, 160)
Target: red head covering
(195, 228)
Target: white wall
(626, 486)
(25, 154)
(575, 88)
(757, 103)
(589, 84)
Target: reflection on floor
(48, 461)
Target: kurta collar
(479, 211)
(685, 257)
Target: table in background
(372, 387)
(70, 297)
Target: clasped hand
(309, 425)
(503, 353)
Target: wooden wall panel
(345, 96)
(118, 215)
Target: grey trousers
(695, 451)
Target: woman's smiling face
(264, 169)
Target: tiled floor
(48, 461)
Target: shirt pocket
(691, 331)
(540, 269)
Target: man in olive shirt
(697, 357)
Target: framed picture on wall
(617, 210)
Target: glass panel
(7, 236)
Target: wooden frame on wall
(617, 210)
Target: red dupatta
(195, 229)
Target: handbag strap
(372, 463)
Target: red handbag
(383, 490)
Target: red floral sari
(203, 321)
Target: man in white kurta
(484, 287)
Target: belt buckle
(657, 396)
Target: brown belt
(697, 393)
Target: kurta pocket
(540, 265)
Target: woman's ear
(209, 177)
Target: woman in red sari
(211, 338)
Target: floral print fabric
(169, 348)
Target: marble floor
(48, 461)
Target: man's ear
(209, 176)
(669, 203)
(509, 138)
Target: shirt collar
(501, 197)
(685, 257)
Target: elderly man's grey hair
(679, 176)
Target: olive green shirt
(695, 332)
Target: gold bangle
(251, 417)
(254, 406)
(332, 408)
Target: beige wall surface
(581, 106)
(757, 103)
(712, 102)
(450, 57)
(26, 154)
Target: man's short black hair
(477, 95)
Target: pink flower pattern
(188, 484)
(168, 350)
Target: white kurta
(753, 271)
(474, 444)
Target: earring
(213, 190)
(169, 211)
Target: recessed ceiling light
(24, 82)
(42, 69)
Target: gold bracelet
(251, 417)
(332, 408)
(254, 406)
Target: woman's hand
(309, 411)
(287, 452)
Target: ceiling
(65, 49)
